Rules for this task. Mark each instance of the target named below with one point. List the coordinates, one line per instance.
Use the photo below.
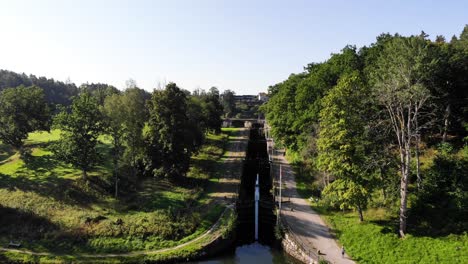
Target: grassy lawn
(45, 205)
(376, 241)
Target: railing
(312, 253)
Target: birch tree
(399, 88)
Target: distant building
(245, 98)
(263, 97)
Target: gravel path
(305, 224)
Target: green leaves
(80, 125)
(346, 194)
(170, 136)
(22, 110)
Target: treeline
(361, 120)
(152, 134)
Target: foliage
(171, 138)
(80, 128)
(228, 102)
(55, 92)
(22, 110)
(43, 204)
(342, 143)
(440, 206)
(410, 97)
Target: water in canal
(252, 253)
(246, 248)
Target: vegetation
(44, 204)
(378, 131)
(107, 177)
(22, 110)
(376, 239)
(81, 126)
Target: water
(251, 253)
(255, 183)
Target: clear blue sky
(244, 46)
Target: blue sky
(244, 46)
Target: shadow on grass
(5, 152)
(17, 225)
(438, 222)
(36, 232)
(63, 190)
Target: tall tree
(169, 143)
(213, 109)
(342, 143)
(80, 126)
(22, 110)
(399, 88)
(134, 115)
(113, 110)
(228, 102)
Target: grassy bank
(45, 205)
(376, 241)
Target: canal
(247, 249)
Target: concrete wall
(294, 250)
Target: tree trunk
(361, 217)
(85, 175)
(446, 122)
(405, 159)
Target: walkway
(305, 224)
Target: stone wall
(294, 250)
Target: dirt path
(305, 224)
(224, 190)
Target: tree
(22, 110)
(399, 89)
(228, 102)
(213, 110)
(80, 126)
(100, 91)
(169, 142)
(342, 142)
(134, 115)
(113, 111)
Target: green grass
(45, 204)
(376, 241)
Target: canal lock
(256, 163)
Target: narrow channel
(246, 248)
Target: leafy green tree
(80, 125)
(342, 143)
(99, 90)
(398, 87)
(228, 102)
(213, 110)
(134, 116)
(113, 110)
(170, 143)
(22, 110)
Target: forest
(382, 127)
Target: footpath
(305, 224)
